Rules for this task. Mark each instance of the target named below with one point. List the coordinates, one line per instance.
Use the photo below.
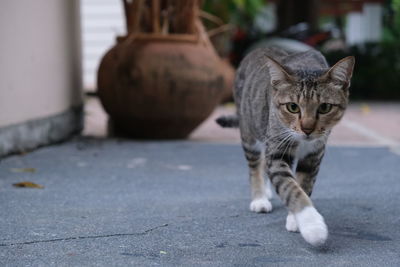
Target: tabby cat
(287, 105)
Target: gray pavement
(124, 203)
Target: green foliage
(396, 10)
(377, 70)
(391, 28)
(240, 13)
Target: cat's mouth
(301, 136)
(309, 137)
(305, 137)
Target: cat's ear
(342, 71)
(277, 73)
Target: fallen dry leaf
(365, 109)
(31, 170)
(28, 185)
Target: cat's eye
(324, 108)
(293, 107)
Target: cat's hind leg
(254, 153)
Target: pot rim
(151, 37)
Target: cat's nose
(307, 131)
(307, 125)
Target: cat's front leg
(310, 223)
(259, 193)
(291, 224)
(306, 173)
(307, 169)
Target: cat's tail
(231, 121)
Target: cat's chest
(305, 148)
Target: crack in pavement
(83, 237)
(109, 235)
(102, 236)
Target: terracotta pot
(229, 78)
(160, 87)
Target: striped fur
(288, 146)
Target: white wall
(102, 21)
(40, 64)
(365, 26)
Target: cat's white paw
(312, 226)
(291, 224)
(260, 205)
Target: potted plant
(164, 77)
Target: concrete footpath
(109, 202)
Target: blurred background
(142, 69)
(110, 75)
(369, 30)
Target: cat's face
(312, 103)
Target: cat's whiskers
(290, 142)
(292, 147)
(283, 142)
(280, 138)
(286, 131)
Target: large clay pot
(160, 87)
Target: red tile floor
(364, 124)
